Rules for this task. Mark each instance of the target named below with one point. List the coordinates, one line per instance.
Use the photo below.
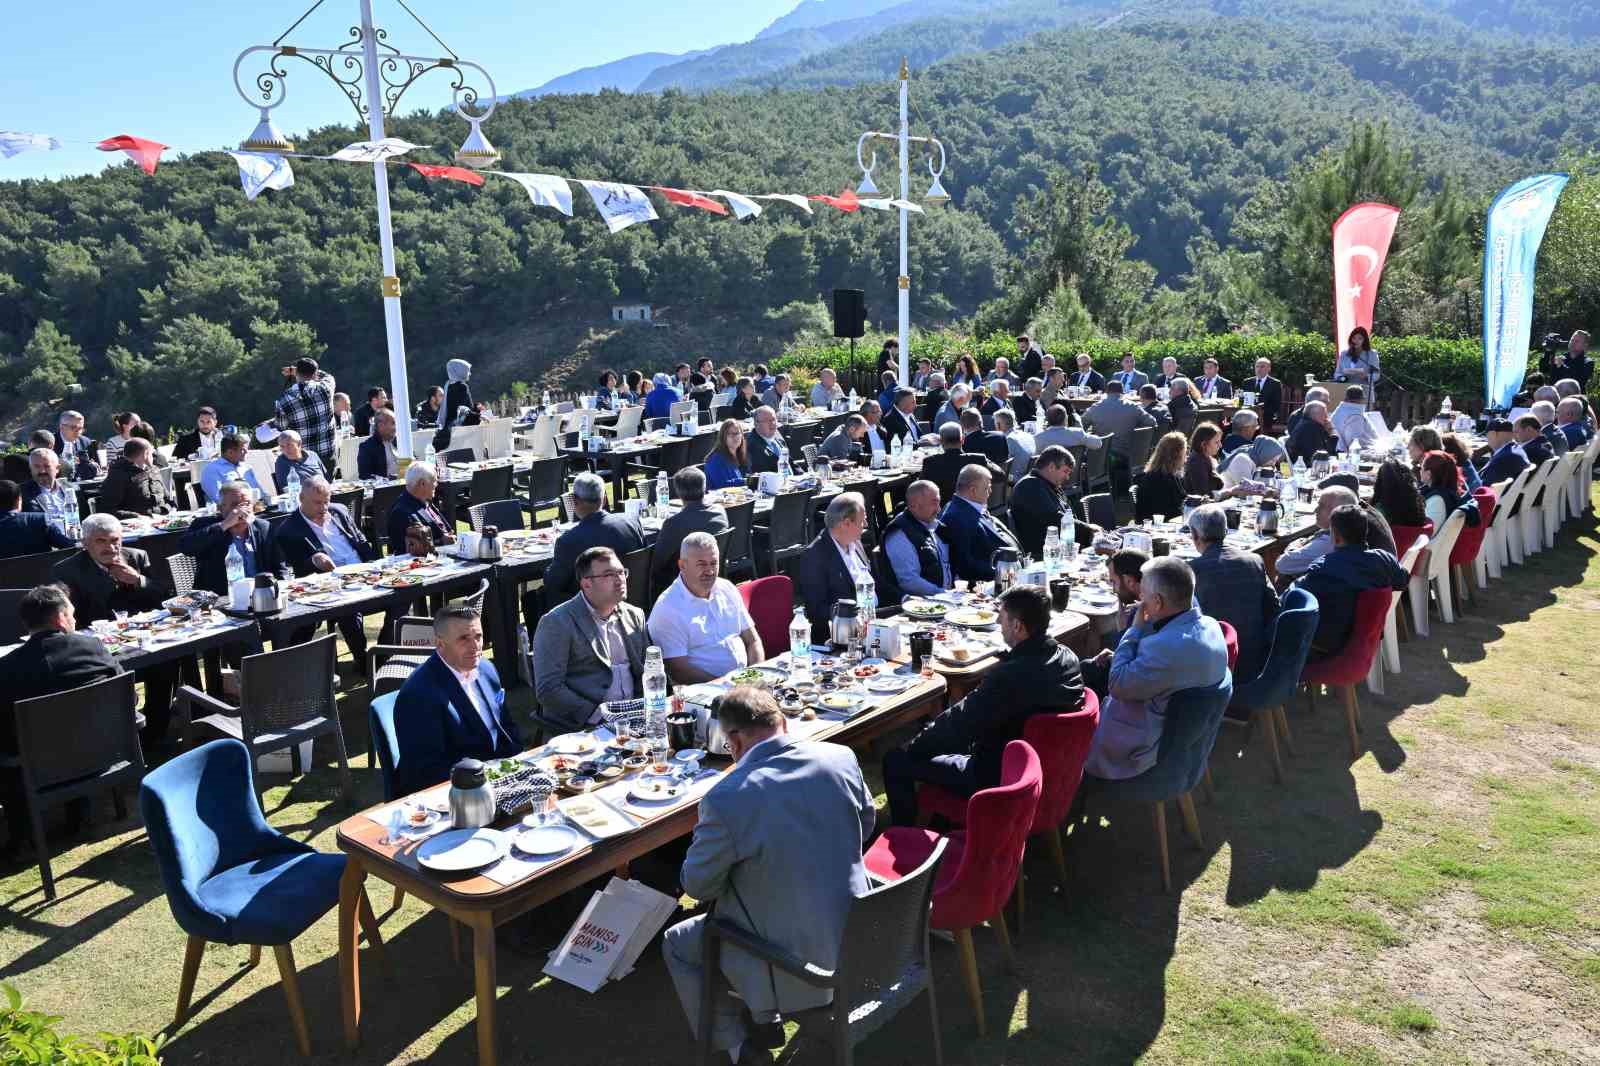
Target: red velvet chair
(1231, 638)
(770, 601)
(1464, 556)
(1350, 667)
(1405, 535)
(1062, 743)
(981, 864)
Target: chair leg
(1352, 719)
(1160, 810)
(192, 953)
(969, 976)
(933, 1017)
(1191, 820)
(1005, 939)
(291, 991)
(1282, 720)
(255, 955)
(41, 847)
(1058, 856)
(1020, 895)
(1268, 719)
(1205, 782)
(455, 940)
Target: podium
(1336, 390)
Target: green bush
(30, 1037)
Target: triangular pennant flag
(145, 153)
(788, 198)
(887, 204)
(260, 171)
(545, 190)
(428, 170)
(13, 142)
(620, 205)
(685, 198)
(372, 151)
(743, 206)
(845, 201)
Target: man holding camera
(1573, 363)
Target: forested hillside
(1184, 160)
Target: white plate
(573, 744)
(644, 788)
(924, 609)
(547, 840)
(973, 618)
(461, 850)
(840, 701)
(888, 684)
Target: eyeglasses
(614, 575)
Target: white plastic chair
(346, 463)
(1389, 659)
(1436, 573)
(1492, 554)
(1509, 538)
(263, 461)
(628, 421)
(1558, 495)
(1533, 507)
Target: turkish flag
(145, 153)
(685, 198)
(1360, 245)
(428, 170)
(845, 201)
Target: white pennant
(260, 171)
(545, 190)
(789, 198)
(13, 143)
(620, 205)
(743, 206)
(373, 151)
(886, 204)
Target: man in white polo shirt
(700, 622)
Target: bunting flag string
(146, 153)
(372, 151)
(620, 205)
(428, 170)
(14, 142)
(789, 198)
(743, 206)
(845, 201)
(685, 198)
(259, 172)
(545, 190)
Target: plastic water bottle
(785, 471)
(855, 401)
(800, 642)
(428, 454)
(1052, 552)
(655, 699)
(1355, 457)
(1300, 470)
(1445, 408)
(234, 565)
(545, 402)
(1069, 535)
(292, 487)
(70, 515)
(662, 493)
(866, 602)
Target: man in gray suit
(1231, 585)
(778, 851)
(696, 517)
(1058, 433)
(591, 648)
(1118, 416)
(847, 440)
(773, 397)
(1131, 377)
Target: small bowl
(635, 762)
(578, 784)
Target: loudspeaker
(849, 312)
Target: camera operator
(1573, 363)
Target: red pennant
(145, 153)
(845, 201)
(428, 170)
(691, 199)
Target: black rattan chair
(384, 497)
(502, 514)
(547, 480)
(787, 530)
(10, 624)
(737, 554)
(354, 500)
(637, 563)
(491, 484)
(182, 568)
(1100, 510)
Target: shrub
(28, 1036)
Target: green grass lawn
(1436, 901)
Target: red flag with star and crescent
(689, 198)
(1361, 239)
(430, 171)
(146, 153)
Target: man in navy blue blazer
(971, 531)
(25, 534)
(451, 707)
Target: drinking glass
(397, 822)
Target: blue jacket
(973, 538)
(29, 533)
(1336, 580)
(436, 725)
(372, 459)
(1505, 464)
(720, 473)
(1577, 434)
(659, 403)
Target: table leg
(350, 896)
(484, 977)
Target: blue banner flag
(1517, 221)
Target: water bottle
(866, 602)
(1445, 408)
(234, 565)
(292, 488)
(800, 642)
(655, 701)
(662, 493)
(1052, 552)
(854, 400)
(545, 402)
(1355, 457)
(784, 470)
(428, 454)
(70, 516)
(1300, 470)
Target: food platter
(973, 617)
(650, 788)
(925, 609)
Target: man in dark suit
(979, 441)
(45, 492)
(451, 707)
(1086, 375)
(901, 421)
(1169, 372)
(1339, 577)
(78, 452)
(205, 439)
(1506, 459)
(971, 531)
(1030, 358)
(764, 444)
(961, 749)
(25, 533)
(105, 578)
(834, 562)
(1133, 379)
(319, 536)
(54, 658)
(234, 524)
(377, 400)
(1231, 586)
(934, 398)
(689, 485)
(1212, 385)
(376, 456)
(596, 527)
(1313, 433)
(944, 468)
(1037, 503)
(1530, 438)
(1269, 394)
(1026, 403)
(415, 507)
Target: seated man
(318, 537)
(1231, 586)
(234, 525)
(133, 485)
(943, 469)
(834, 563)
(1028, 403)
(46, 492)
(764, 444)
(1171, 646)
(415, 508)
(105, 578)
(1570, 416)
(999, 400)
(846, 441)
(901, 420)
(54, 658)
(25, 533)
(960, 750)
(1313, 433)
(953, 406)
(1086, 376)
(695, 516)
(1506, 458)
(571, 675)
(1348, 569)
(1018, 441)
(973, 533)
(1150, 398)
(376, 457)
(596, 527)
(451, 707)
(1242, 429)
(1349, 420)
(78, 453)
(976, 440)
(827, 391)
(916, 556)
(1056, 431)
(294, 459)
(1298, 557)
(1118, 416)
(204, 441)
(1545, 412)
(229, 466)
(700, 622)
(1038, 504)
(777, 849)
(1124, 570)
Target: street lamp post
(373, 75)
(936, 195)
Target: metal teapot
(267, 597)
(471, 798)
(1007, 567)
(489, 545)
(846, 624)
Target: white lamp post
(935, 196)
(373, 75)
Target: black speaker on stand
(850, 320)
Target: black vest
(922, 539)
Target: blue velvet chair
(1193, 717)
(380, 721)
(230, 878)
(1263, 699)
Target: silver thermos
(846, 624)
(471, 798)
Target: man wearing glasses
(590, 649)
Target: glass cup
(1060, 593)
(922, 652)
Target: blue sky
(83, 70)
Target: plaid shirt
(308, 410)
